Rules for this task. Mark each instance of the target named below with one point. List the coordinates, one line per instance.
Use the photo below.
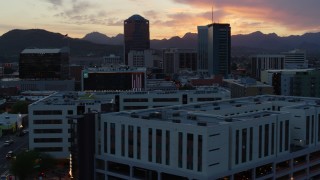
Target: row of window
(50, 112)
(129, 132)
(266, 141)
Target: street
(19, 144)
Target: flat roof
(42, 51)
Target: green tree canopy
(30, 163)
(20, 107)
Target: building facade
(112, 60)
(262, 137)
(50, 117)
(202, 49)
(245, 87)
(176, 60)
(141, 58)
(119, 78)
(293, 82)
(44, 64)
(265, 62)
(136, 35)
(296, 59)
(219, 49)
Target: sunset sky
(167, 17)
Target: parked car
(8, 142)
(9, 155)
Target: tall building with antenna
(136, 35)
(219, 49)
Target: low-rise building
(245, 87)
(262, 137)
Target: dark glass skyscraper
(136, 35)
(219, 49)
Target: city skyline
(167, 18)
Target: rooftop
(42, 51)
(224, 111)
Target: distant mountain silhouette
(97, 44)
(243, 44)
(100, 38)
(14, 41)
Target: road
(20, 143)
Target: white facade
(296, 59)
(112, 60)
(176, 60)
(48, 117)
(143, 58)
(286, 78)
(263, 137)
(265, 62)
(49, 127)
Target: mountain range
(98, 44)
(247, 44)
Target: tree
(30, 163)
(20, 107)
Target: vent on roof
(176, 114)
(192, 117)
(228, 119)
(202, 123)
(176, 121)
(216, 108)
(134, 115)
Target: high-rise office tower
(136, 35)
(202, 49)
(219, 49)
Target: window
(113, 138)
(105, 137)
(281, 134)
(272, 139)
(158, 146)
(260, 141)
(180, 149)
(286, 138)
(48, 121)
(150, 145)
(166, 100)
(237, 148)
(48, 149)
(266, 140)
(244, 145)
(139, 142)
(47, 140)
(251, 143)
(123, 138)
(47, 112)
(130, 142)
(47, 131)
(189, 151)
(199, 153)
(70, 112)
(167, 147)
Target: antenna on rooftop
(212, 12)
